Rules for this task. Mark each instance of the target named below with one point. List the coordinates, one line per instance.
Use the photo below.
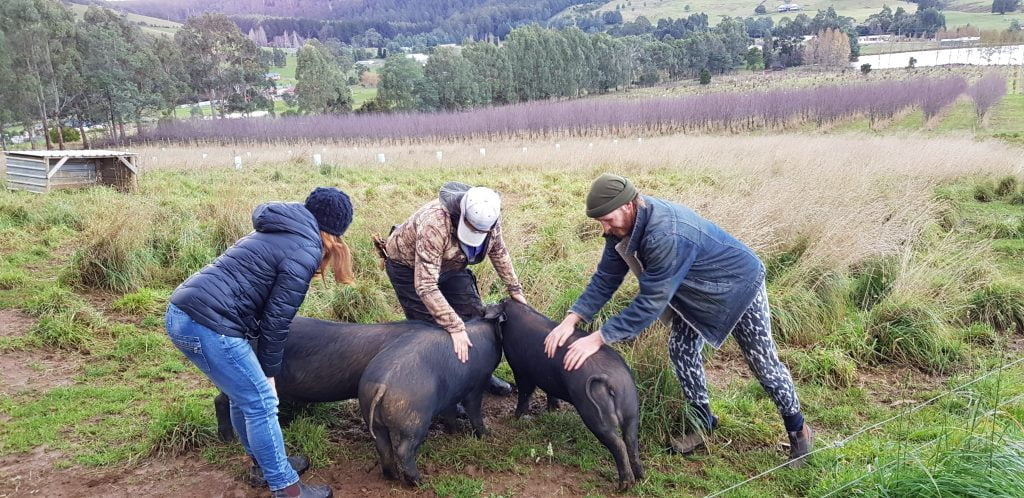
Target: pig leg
(602, 419)
(449, 419)
(526, 388)
(608, 435)
(222, 406)
(552, 403)
(630, 429)
(382, 440)
(406, 451)
(476, 418)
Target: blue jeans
(232, 366)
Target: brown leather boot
(800, 443)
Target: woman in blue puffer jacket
(252, 292)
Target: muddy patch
(22, 371)
(14, 323)
(34, 474)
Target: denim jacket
(684, 263)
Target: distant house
(870, 39)
(421, 58)
(963, 41)
(272, 76)
(367, 62)
(788, 7)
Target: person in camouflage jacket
(427, 259)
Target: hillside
(151, 25)
(957, 12)
(455, 18)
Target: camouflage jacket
(427, 243)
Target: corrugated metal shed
(43, 171)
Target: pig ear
(495, 312)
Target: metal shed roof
(70, 153)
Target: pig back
(323, 360)
(523, 334)
(423, 360)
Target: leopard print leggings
(753, 333)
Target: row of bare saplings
(717, 112)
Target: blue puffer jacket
(254, 289)
(708, 277)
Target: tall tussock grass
(65, 331)
(999, 304)
(907, 331)
(180, 427)
(115, 251)
(979, 466)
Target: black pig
(416, 378)
(323, 362)
(602, 390)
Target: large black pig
(418, 377)
(602, 390)
(323, 362)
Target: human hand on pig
(462, 345)
(558, 335)
(580, 350)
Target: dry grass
(848, 199)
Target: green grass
(288, 71)
(859, 10)
(858, 336)
(456, 486)
(181, 427)
(360, 95)
(983, 20)
(960, 117)
(143, 302)
(1008, 116)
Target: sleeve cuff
(587, 317)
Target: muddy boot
(301, 490)
(498, 387)
(693, 440)
(801, 443)
(255, 477)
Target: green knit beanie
(608, 193)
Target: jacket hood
(451, 198)
(289, 217)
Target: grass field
(150, 25)
(894, 276)
(890, 283)
(957, 13)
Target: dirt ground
(41, 473)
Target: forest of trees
(102, 69)
(538, 63)
(450, 21)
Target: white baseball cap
(481, 207)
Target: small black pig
(602, 390)
(323, 362)
(418, 377)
